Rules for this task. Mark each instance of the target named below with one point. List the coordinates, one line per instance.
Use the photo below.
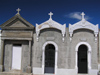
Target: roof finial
(50, 15)
(18, 10)
(83, 16)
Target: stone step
(85, 74)
(43, 74)
(82, 74)
(12, 73)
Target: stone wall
(66, 49)
(87, 36)
(8, 55)
(63, 47)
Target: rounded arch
(83, 43)
(43, 54)
(89, 49)
(50, 42)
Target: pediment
(83, 24)
(17, 22)
(50, 24)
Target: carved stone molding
(50, 24)
(83, 24)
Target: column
(29, 65)
(1, 53)
(30, 52)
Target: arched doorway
(43, 56)
(49, 59)
(82, 59)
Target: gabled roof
(8, 24)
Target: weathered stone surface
(17, 34)
(32, 50)
(14, 73)
(28, 70)
(1, 68)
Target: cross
(50, 15)
(82, 15)
(18, 10)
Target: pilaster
(29, 65)
(1, 53)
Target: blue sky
(65, 11)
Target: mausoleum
(50, 48)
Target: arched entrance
(49, 58)
(82, 59)
(55, 49)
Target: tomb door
(49, 59)
(16, 57)
(82, 59)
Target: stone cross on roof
(83, 15)
(50, 15)
(18, 10)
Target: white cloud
(77, 15)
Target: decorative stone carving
(83, 24)
(50, 24)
